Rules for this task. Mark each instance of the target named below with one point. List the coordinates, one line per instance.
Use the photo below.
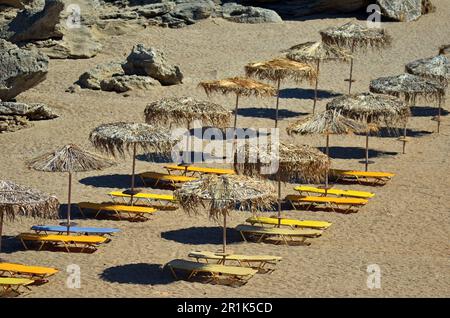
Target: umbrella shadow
(269, 113)
(427, 111)
(384, 132)
(202, 235)
(306, 93)
(10, 244)
(138, 274)
(356, 152)
(122, 181)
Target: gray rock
(15, 3)
(193, 9)
(445, 50)
(36, 111)
(125, 83)
(155, 9)
(401, 10)
(243, 14)
(151, 62)
(92, 78)
(20, 70)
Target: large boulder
(401, 10)
(245, 14)
(152, 62)
(92, 79)
(20, 70)
(15, 116)
(63, 21)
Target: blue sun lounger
(74, 229)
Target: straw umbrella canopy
(279, 69)
(317, 52)
(17, 200)
(184, 110)
(240, 86)
(218, 195)
(379, 110)
(294, 162)
(120, 138)
(355, 36)
(409, 87)
(330, 122)
(69, 158)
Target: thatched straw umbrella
(372, 109)
(120, 138)
(17, 200)
(355, 36)
(408, 87)
(317, 52)
(240, 86)
(184, 110)
(69, 158)
(218, 195)
(294, 162)
(327, 123)
(279, 69)
(437, 68)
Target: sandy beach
(404, 229)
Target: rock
(155, 9)
(401, 10)
(125, 83)
(445, 50)
(15, 116)
(20, 70)
(193, 10)
(15, 3)
(57, 26)
(92, 78)
(243, 14)
(152, 62)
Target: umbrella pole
(224, 233)
(234, 130)
(133, 173)
(279, 199)
(69, 200)
(1, 229)
(350, 81)
(328, 155)
(317, 86)
(439, 115)
(278, 103)
(367, 150)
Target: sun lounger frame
(66, 245)
(334, 206)
(132, 216)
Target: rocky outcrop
(16, 3)
(152, 62)
(144, 69)
(401, 10)
(15, 116)
(245, 14)
(20, 70)
(57, 28)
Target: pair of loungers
(16, 277)
(214, 266)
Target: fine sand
(404, 229)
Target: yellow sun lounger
(214, 272)
(292, 223)
(372, 177)
(134, 212)
(173, 180)
(329, 202)
(10, 284)
(146, 197)
(254, 261)
(337, 192)
(19, 270)
(197, 170)
(277, 235)
(89, 242)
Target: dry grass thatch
(437, 67)
(356, 35)
(280, 69)
(408, 86)
(220, 194)
(184, 110)
(371, 108)
(17, 200)
(241, 86)
(294, 162)
(328, 122)
(317, 51)
(119, 138)
(69, 158)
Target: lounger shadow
(202, 235)
(139, 274)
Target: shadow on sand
(356, 152)
(202, 235)
(139, 274)
(269, 113)
(306, 93)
